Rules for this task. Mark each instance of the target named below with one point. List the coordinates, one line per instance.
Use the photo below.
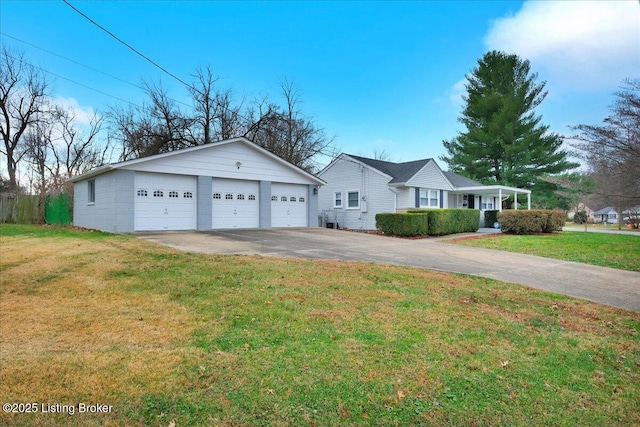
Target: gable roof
(605, 211)
(400, 172)
(403, 172)
(241, 140)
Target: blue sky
(377, 75)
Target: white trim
(358, 200)
(241, 139)
(348, 158)
(428, 205)
(431, 161)
(335, 199)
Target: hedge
(433, 222)
(490, 218)
(531, 222)
(451, 221)
(402, 224)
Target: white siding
(222, 162)
(430, 176)
(406, 198)
(345, 176)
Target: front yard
(169, 338)
(607, 250)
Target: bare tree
(286, 132)
(612, 150)
(77, 150)
(23, 92)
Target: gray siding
(124, 201)
(101, 214)
(345, 176)
(204, 207)
(312, 206)
(264, 199)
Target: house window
(429, 198)
(337, 200)
(217, 196)
(142, 193)
(91, 196)
(158, 193)
(487, 203)
(173, 194)
(353, 200)
(187, 195)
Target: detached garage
(227, 184)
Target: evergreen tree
(505, 142)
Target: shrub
(490, 217)
(580, 217)
(450, 221)
(402, 224)
(531, 222)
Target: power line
(87, 67)
(68, 79)
(71, 60)
(126, 44)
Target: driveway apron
(604, 285)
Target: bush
(490, 218)
(450, 221)
(400, 224)
(531, 222)
(580, 217)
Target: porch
(486, 198)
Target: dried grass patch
(68, 330)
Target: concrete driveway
(609, 286)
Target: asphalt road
(604, 285)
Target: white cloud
(457, 92)
(583, 44)
(82, 114)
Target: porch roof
(490, 190)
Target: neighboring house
(606, 215)
(357, 188)
(581, 208)
(227, 184)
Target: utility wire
(87, 67)
(68, 79)
(126, 44)
(191, 87)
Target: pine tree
(505, 142)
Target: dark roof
(604, 211)
(460, 181)
(402, 172)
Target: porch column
(500, 198)
(529, 201)
(515, 200)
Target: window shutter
(417, 197)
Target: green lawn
(607, 250)
(171, 338)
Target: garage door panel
(235, 204)
(165, 202)
(288, 205)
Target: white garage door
(235, 203)
(288, 205)
(165, 202)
